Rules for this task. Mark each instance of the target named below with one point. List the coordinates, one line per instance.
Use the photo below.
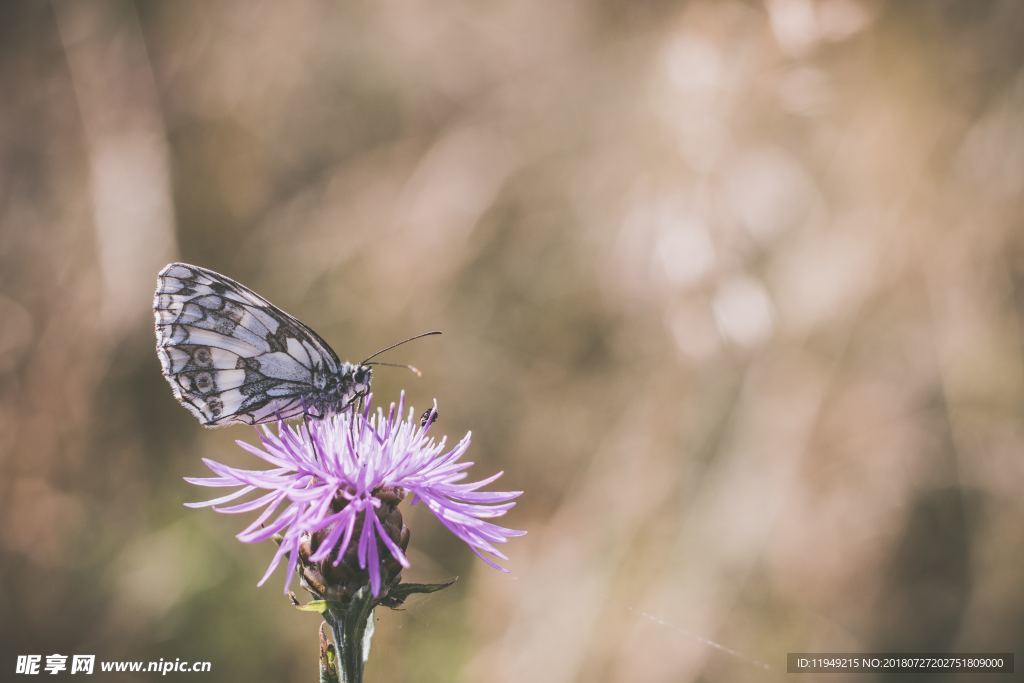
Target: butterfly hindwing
(230, 355)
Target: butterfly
(232, 357)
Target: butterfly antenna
(412, 368)
(404, 341)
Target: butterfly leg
(307, 411)
(351, 405)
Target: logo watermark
(53, 664)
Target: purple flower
(326, 474)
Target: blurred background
(734, 290)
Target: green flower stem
(352, 627)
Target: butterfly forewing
(230, 356)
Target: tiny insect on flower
(338, 481)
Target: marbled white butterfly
(232, 357)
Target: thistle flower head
(333, 487)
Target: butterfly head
(361, 377)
